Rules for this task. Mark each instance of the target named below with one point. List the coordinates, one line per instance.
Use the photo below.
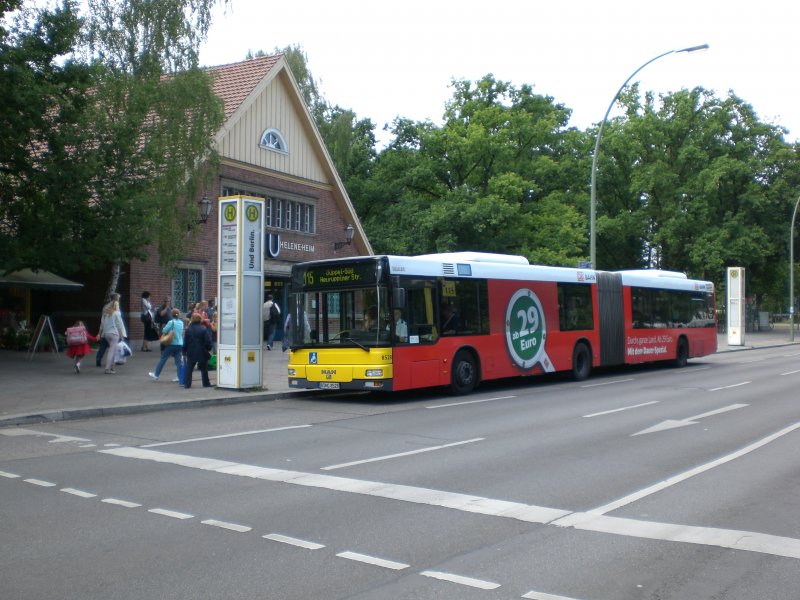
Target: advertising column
(240, 285)
(736, 306)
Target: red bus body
(636, 317)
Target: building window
(186, 287)
(280, 213)
(272, 139)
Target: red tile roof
(234, 82)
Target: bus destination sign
(342, 275)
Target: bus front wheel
(464, 374)
(581, 362)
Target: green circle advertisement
(526, 330)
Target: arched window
(272, 139)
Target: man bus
(469, 317)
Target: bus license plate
(328, 385)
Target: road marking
(461, 580)
(285, 539)
(227, 435)
(58, 437)
(727, 387)
(225, 525)
(8, 475)
(399, 454)
(79, 493)
(673, 423)
(591, 385)
(470, 402)
(692, 472)
(170, 513)
(39, 482)
(417, 495)
(543, 596)
(616, 410)
(755, 360)
(117, 502)
(373, 560)
(791, 372)
(591, 521)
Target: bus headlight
(292, 372)
(374, 373)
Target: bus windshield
(352, 317)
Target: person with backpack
(272, 317)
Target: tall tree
(155, 115)
(694, 183)
(46, 161)
(488, 179)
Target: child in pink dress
(77, 351)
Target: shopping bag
(182, 373)
(123, 352)
(212, 362)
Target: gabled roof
(239, 84)
(234, 82)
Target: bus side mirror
(399, 297)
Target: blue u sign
(273, 244)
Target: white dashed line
(227, 435)
(470, 402)
(170, 513)
(399, 454)
(285, 539)
(229, 526)
(543, 596)
(727, 387)
(40, 483)
(602, 383)
(123, 503)
(461, 580)
(8, 475)
(79, 493)
(616, 410)
(373, 560)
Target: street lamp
(593, 194)
(349, 231)
(791, 273)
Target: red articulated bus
(456, 319)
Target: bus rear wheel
(681, 354)
(464, 374)
(581, 362)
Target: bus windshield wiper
(349, 339)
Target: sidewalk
(46, 388)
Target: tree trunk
(113, 281)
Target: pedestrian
(78, 343)
(271, 314)
(113, 330)
(211, 310)
(172, 347)
(196, 351)
(162, 316)
(103, 347)
(147, 316)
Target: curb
(72, 414)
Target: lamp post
(791, 273)
(593, 193)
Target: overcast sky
(384, 59)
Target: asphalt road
(637, 483)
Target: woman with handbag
(172, 340)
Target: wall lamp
(205, 207)
(349, 231)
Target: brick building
(269, 147)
